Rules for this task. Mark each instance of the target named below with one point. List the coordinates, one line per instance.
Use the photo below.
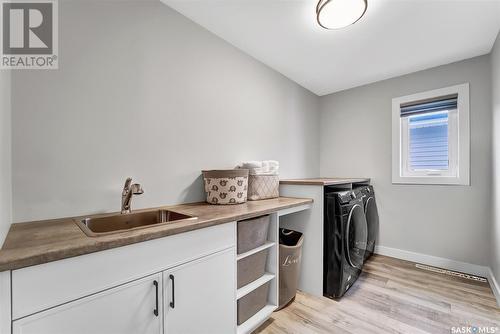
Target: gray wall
(5, 154)
(144, 92)
(495, 242)
(445, 221)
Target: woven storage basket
(226, 186)
(263, 186)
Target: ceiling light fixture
(336, 14)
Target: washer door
(371, 211)
(356, 236)
(371, 214)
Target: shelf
(256, 320)
(268, 244)
(246, 289)
(270, 278)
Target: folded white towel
(250, 164)
(262, 171)
(273, 164)
(273, 170)
(266, 167)
(254, 172)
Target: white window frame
(452, 149)
(458, 133)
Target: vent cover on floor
(451, 273)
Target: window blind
(421, 107)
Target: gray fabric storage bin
(252, 233)
(252, 303)
(251, 267)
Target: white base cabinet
(126, 309)
(200, 296)
(129, 290)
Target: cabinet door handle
(155, 311)
(172, 303)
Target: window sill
(431, 180)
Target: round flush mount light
(336, 14)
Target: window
(431, 137)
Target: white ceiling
(394, 37)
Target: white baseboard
(494, 285)
(440, 262)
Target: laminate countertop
(325, 181)
(33, 243)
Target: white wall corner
(495, 227)
(5, 153)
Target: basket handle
(286, 232)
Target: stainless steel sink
(130, 221)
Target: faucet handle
(136, 189)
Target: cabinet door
(128, 308)
(200, 297)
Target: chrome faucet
(129, 190)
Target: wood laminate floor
(393, 296)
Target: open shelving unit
(270, 275)
(245, 290)
(255, 321)
(268, 244)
